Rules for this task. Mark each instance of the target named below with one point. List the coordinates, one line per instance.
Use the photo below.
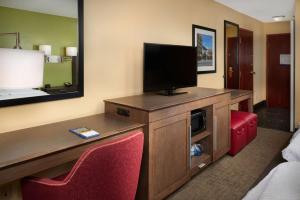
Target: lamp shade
(21, 69)
(71, 51)
(46, 49)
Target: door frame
(292, 77)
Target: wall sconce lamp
(46, 49)
(70, 53)
(17, 35)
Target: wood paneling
(221, 130)
(169, 163)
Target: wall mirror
(41, 50)
(231, 55)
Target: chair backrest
(108, 171)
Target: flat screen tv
(169, 67)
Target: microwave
(198, 121)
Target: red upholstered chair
(108, 171)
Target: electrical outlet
(5, 193)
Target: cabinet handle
(190, 145)
(215, 134)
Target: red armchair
(108, 171)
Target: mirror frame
(225, 63)
(68, 95)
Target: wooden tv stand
(167, 164)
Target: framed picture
(205, 41)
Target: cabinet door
(221, 130)
(169, 155)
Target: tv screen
(168, 67)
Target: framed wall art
(205, 40)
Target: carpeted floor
(231, 177)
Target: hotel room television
(169, 67)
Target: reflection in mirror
(39, 45)
(231, 73)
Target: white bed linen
(20, 93)
(282, 183)
(292, 151)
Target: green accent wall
(38, 28)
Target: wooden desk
(165, 120)
(28, 151)
(244, 98)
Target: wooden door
(232, 63)
(246, 59)
(169, 155)
(278, 72)
(222, 140)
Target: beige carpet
(231, 177)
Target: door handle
(252, 72)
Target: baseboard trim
(260, 105)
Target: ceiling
(66, 8)
(262, 10)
